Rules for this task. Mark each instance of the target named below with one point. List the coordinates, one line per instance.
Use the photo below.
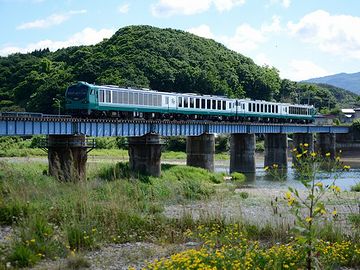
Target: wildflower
(295, 149)
(32, 240)
(298, 155)
(93, 230)
(335, 188)
(306, 145)
(275, 166)
(319, 184)
(334, 213)
(327, 154)
(313, 154)
(346, 167)
(266, 168)
(305, 152)
(308, 219)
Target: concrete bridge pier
(242, 153)
(67, 156)
(145, 154)
(303, 138)
(200, 151)
(326, 143)
(276, 148)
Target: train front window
(77, 92)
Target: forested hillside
(145, 56)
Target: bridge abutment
(326, 143)
(67, 156)
(276, 149)
(145, 154)
(200, 151)
(242, 153)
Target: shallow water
(260, 179)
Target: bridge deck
(23, 126)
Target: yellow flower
(346, 167)
(298, 155)
(306, 145)
(319, 184)
(334, 213)
(266, 168)
(313, 154)
(308, 219)
(335, 188)
(327, 154)
(32, 240)
(305, 152)
(93, 230)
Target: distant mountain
(346, 81)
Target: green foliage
(244, 195)
(356, 187)
(11, 212)
(106, 142)
(175, 144)
(221, 143)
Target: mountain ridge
(348, 81)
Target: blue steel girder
(104, 128)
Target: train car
(83, 99)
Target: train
(90, 100)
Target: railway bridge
(68, 145)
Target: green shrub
(356, 187)
(22, 256)
(11, 212)
(120, 170)
(106, 142)
(244, 195)
(77, 262)
(175, 144)
(355, 220)
(238, 179)
(81, 237)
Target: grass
(54, 219)
(356, 187)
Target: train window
(254, 107)
(197, 103)
(108, 96)
(186, 102)
(219, 104)
(258, 107)
(126, 98)
(101, 95)
(213, 105)
(167, 100)
(141, 99)
(131, 98)
(191, 102)
(203, 104)
(243, 107)
(265, 108)
(250, 107)
(115, 97)
(146, 99)
(180, 102)
(224, 105)
(208, 104)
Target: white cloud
(336, 34)
(88, 36)
(262, 59)
(202, 31)
(245, 39)
(53, 19)
(304, 69)
(167, 8)
(273, 27)
(226, 5)
(124, 8)
(284, 3)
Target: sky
(301, 38)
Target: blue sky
(301, 38)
